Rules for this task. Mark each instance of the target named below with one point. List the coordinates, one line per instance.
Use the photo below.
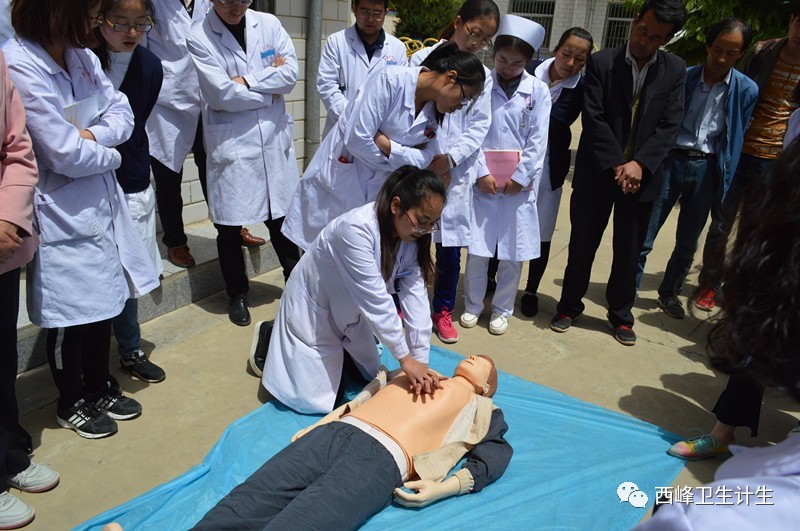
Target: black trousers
(13, 454)
(231, 259)
(334, 477)
(80, 349)
(536, 268)
(589, 213)
(740, 403)
(168, 192)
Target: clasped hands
(488, 185)
(629, 176)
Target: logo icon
(630, 493)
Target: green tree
(421, 19)
(768, 18)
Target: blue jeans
(126, 330)
(448, 268)
(751, 171)
(695, 182)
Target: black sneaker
(671, 306)
(560, 323)
(87, 420)
(529, 305)
(624, 334)
(258, 350)
(142, 368)
(115, 404)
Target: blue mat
(569, 459)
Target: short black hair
(667, 12)
(385, 3)
(729, 25)
(577, 32)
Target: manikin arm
(485, 464)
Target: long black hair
(468, 68)
(53, 22)
(470, 10)
(107, 7)
(759, 331)
(413, 186)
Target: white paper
(82, 114)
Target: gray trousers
(334, 477)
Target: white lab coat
(337, 298)
(330, 187)
(252, 168)
(91, 254)
(547, 199)
(509, 223)
(172, 125)
(461, 136)
(344, 66)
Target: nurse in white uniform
(562, 73)
(504, 219)
(91, 255)
(246, 63)
(391, 123)
(353, 53)
(461, 136)
(340, 296)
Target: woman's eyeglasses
(477, 38)
(125, 28)
(421, 230)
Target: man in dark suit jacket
(633, 103)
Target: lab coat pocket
(68, 213)
(310, 322)
(220, 143)
(285, 135)
(340, 176)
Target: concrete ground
(665, 379)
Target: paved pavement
(665, 379)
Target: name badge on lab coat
(268, 57)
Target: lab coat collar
(413, 73)
(356, 44)
(226, 37)
(253, 37)
(543, 72)
(525, 84)
(41, 57)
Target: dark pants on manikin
(334, 477)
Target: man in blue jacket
(719, 101)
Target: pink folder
(502, 163)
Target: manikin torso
(417, 423)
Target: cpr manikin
(352, 462)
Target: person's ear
(486, 389)
(395, 205)
(457, 22)
(452, 76)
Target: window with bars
(267, 6)
(618, 25)
(540, 11)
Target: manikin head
(480, 372)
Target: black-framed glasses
(245, 3)
(371, 13)
(477, 38)
(465, 101)
(421, 230)
(125, 28)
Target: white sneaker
(35, 478)
(14, 513)
(498, 324)
(468, 320)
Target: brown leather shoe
(248, 240)
(180, 256)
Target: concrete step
(179, 288)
